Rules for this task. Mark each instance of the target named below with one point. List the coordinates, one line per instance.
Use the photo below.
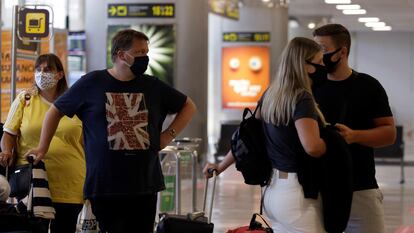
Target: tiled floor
(235, 202)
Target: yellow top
(65, 160)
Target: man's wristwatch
(172, 132)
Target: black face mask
(319, 76)
(329, 64)
(139, 66)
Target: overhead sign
(225, 8)
(246, 37)
(141, 10)
(33, 23)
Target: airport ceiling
(399, 14)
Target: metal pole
(194, 177)
(178, 184)
(13, 56)
(210, 212)
(67, 15)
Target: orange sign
(25, 68)
(245, 75)
(25, 72)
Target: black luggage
(191, 223)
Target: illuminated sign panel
(138, 10)
(246, 37)
(245, 75)
(225, 8)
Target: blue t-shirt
(282, 142)
(122, 121)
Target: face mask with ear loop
(139, 66)
(45, 80)
(319, 76)
(329, 64)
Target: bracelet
(172, 132)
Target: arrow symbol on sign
(112, 10)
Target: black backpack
(249, 150)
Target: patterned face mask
(45, 80)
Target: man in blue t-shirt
(122, 111)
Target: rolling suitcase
(195, 222)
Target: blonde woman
(290, 118)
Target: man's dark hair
(123, 41)
(339, 34)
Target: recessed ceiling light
(338, 1)
(311, 25)
(386, 28)
(265, 0)
(348, 7)
(354, 12)
(293, 23)
(368, 19)
(375, 24)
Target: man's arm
(50, 123)
(180, 121)
(383, 134)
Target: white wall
(389, 57)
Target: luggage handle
(214, 172)
(253, 224)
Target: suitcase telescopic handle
(214, 172)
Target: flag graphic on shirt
(127, 118)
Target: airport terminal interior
(224, 55)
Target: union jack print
(127, 117)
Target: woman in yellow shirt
(65, 162)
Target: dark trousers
(66, 217)
(125, 214)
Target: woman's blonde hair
(290, 82)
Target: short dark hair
(123, 41)
(53, 62)
(339, 34)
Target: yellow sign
(226, 8)
(230, 37)
(141, 10)
(246, 37)
(159, 11)
(118, 10)
(35, 23)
